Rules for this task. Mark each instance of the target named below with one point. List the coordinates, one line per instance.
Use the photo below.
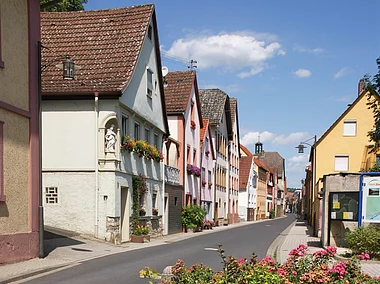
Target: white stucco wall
(68, 135)
(135, 96)
(75, 209)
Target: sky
(293, 66)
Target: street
(124, 267)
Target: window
(147, 135)
(188, 154)
(124, 125)
(207, 146)
(209, 175)
(2, 196)
(51, 194)
(195, 157)
(150, 32)
(154, 200)
(149, 82)
(137, 131)
(377, 159)
(349, 128)
(155, 142)
(203, 173)
(341, 163)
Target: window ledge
(1, 63)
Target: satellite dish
(165, 71)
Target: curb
(275, 248)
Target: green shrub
(364, 239)
(192, 216)
(271, 214)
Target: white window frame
(124, 125)
(136, 135)
(147, 135)
(349, 128)
(156, 141)
(341, 162)
(149, 82)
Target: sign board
(370, 205)
(344, 206)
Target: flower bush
(142, 211)
(193, 170)
(204, 182)
(155, 211)
(300, 267)
(142, 148)
(364, 239)
(141, 230)
(192, 216)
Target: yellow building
(19, 130)
(342, 148)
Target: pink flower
(241, 260)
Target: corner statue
(110, 139)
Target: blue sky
(293, 65)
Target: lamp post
(68, 68)
(301, 148)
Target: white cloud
(300, 48)
(251, 138)
(303, 73)
(342, 72)
(244, 53)
(297, 164)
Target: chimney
(361, 86)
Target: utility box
(340, 207)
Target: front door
(124, 214)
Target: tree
(372, 86)
(62, 5)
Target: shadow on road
(54, 238)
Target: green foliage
(300, 267)
(139, 188)
(364, 239)
(141, 230)
(372, 86)
(271, 214)
(375, 168)
(192, 216)
(142, 148)
(62, 6)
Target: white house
(117, 91)
(207, 176)
(248, 175)
(215, 106)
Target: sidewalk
(300, 233)
(69, 251)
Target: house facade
(207, 170)
(233, 171)
(215, 107)
(19, 130)
(344, 147)
(247, 185)
(106, 126)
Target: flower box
(193, 125)
(140, 239)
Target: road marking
(267, 225)
(212, 249)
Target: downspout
(96, 112)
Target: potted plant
(142, 211)
(189, 169)
(154, 211)
(193, 124)
(209, 184)
(197, 171)
(207, 152)
(140, 234)
(204, 182)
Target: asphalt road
(124, 267)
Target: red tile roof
(106, 44)
(245, 150)
(262, 164)
(204, 130)
(244, 169)
(178, 89)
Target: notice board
(344, 206)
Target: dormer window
(150, 32)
